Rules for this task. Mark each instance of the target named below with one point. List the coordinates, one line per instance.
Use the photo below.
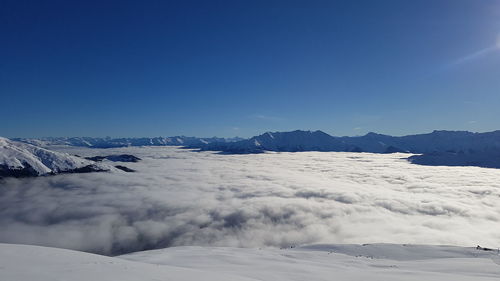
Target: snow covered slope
(28, 263)
(20, 159)
(335, 262)
(322, 262)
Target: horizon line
(288, 131)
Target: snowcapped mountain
(458, 148)
(281, 141)
(455, 147)
(298, 141)
(124, 142)
(437, 141)
(375, 143)
(20, 159)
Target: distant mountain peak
(300, 140)
(444, 132)
(372, 134)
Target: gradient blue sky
(227, 68)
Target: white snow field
(384, 262)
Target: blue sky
(239, 68)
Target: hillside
(345, 262)
(21, 160)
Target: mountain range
(437, 141)
(108, 142)
(299, 140)
(447, 148)
(439, 148)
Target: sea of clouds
(180, 197)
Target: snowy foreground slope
(20, 159)
(320, 262)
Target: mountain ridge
(107, 142)
(25, 160)
(300, 140)
(439, 147)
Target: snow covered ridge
(437, 141)
(124, 142)
(386, 262)
(22, 160)
(440, 148)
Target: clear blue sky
(227, 68)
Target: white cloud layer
(179, 197)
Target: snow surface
(29, 263)
(320, 262)
(18, 156)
